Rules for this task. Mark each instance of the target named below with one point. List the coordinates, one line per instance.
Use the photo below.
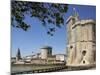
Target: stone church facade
(81, 36)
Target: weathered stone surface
(81, 41)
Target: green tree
(45, 12)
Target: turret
(18, 55)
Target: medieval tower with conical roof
(81, 36)
(18, 55)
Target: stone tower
(81, 45)
(18, 55)
(46, 51)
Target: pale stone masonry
(81, 46)
(46, 52)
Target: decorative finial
(75, 13)
(74, 9)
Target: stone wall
(81, 42)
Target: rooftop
(46, 47)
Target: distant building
(37, 55)
(18, 55)
(13, 60)
(61, 57)
(38, 61)
(81, 40)
(51, 59)
(46, 52)
(45, 57)
(31, 57)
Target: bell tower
(18, 55)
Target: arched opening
(83, 62)
(71, 47)
(83, 52)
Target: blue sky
(36, 37)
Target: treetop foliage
(51, 13)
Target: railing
(34, 68)
(40, 70)
(52, 68)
